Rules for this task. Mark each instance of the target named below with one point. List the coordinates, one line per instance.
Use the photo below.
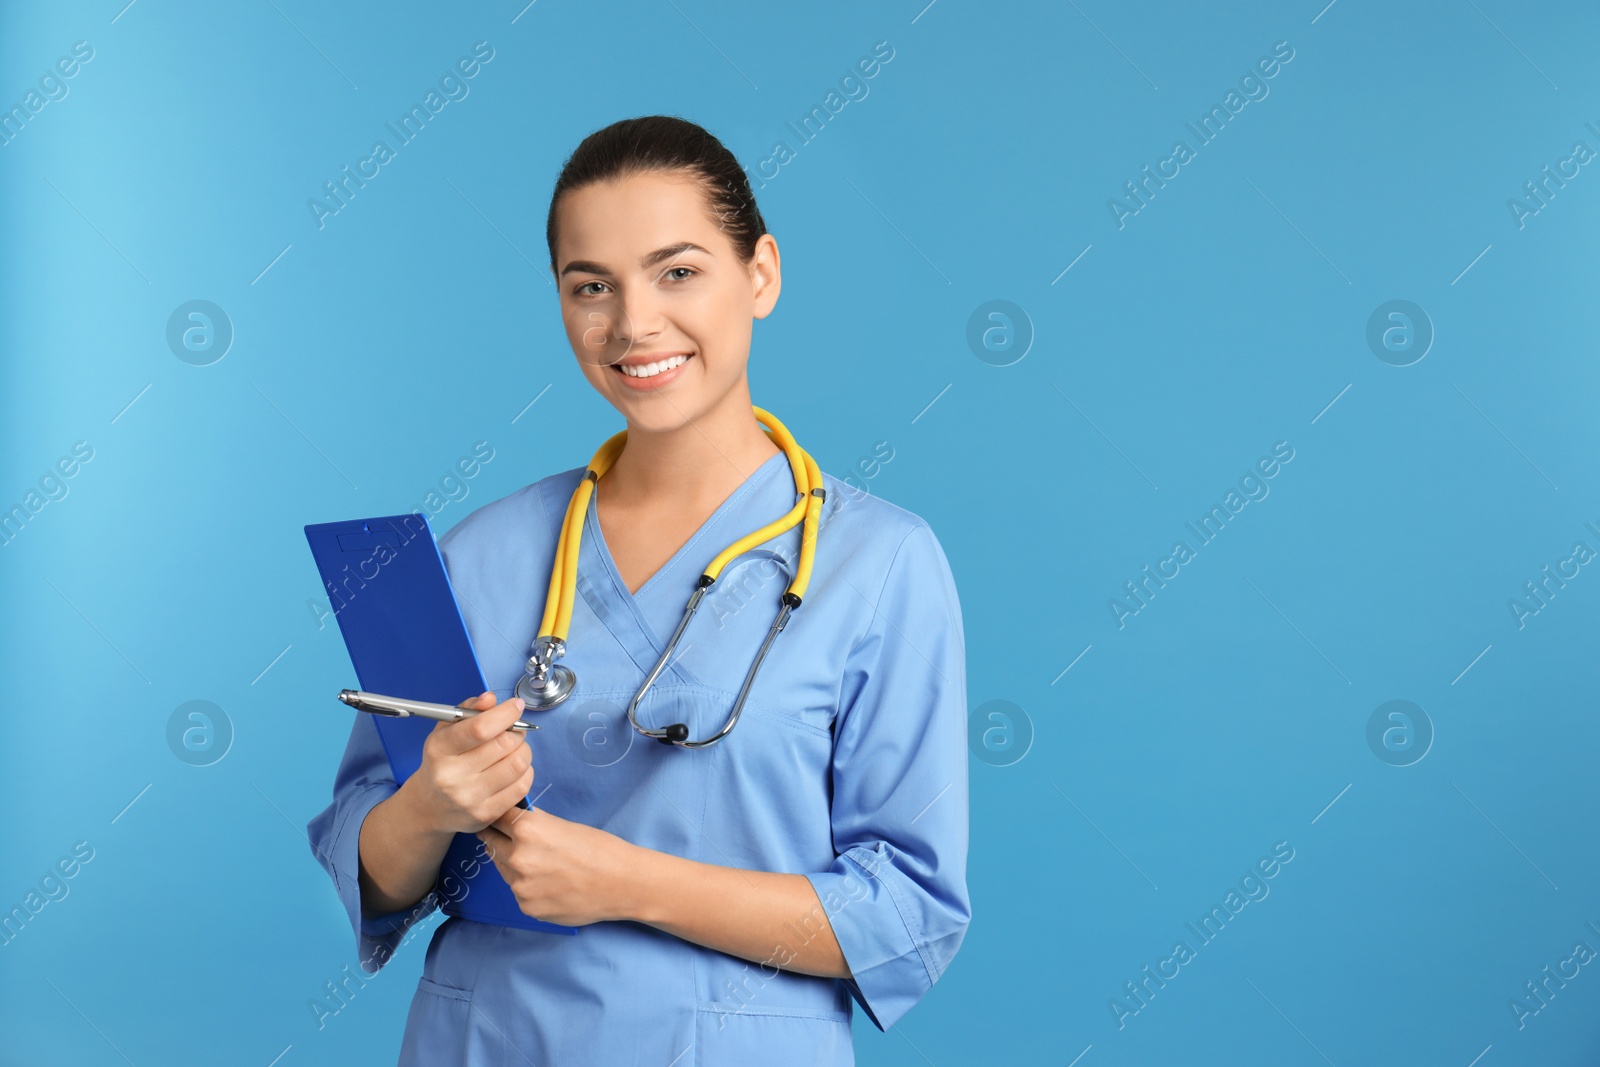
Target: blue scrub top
(848, 765)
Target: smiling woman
(734, 891)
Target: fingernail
(522, 705)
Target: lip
(645, 385)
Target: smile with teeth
(650, 370)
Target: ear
(766, 275)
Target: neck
(704, 459)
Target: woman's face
(658, 306)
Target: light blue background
(1227, 315)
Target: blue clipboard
(388, 587)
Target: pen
(400, 707)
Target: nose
(640, 316)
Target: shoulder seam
(544, 512)
(881, 500)
(877, 601)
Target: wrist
(636, 875)
(411, 804)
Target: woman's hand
(561, 871)
(473, 771)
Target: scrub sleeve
(899, 773)
(364, 780)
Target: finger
(493, 722)
(514, 762)
(494, 840)
(485, 797)
(503, 773)
(473, 731)
(481, 702)
(492, 751)
(506, 800)
(507, 822)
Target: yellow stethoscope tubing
(564, 573)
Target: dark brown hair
(665, 143)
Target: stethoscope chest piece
(556, 686)
(546, 683)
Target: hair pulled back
(671, 144)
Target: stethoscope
(547, 683)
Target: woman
(730, 899)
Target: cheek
(725, 326)
(589, 356)
(597, 376)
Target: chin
(656, 415)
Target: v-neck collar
(619, 611)
(594, 536)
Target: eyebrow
(585, 266)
